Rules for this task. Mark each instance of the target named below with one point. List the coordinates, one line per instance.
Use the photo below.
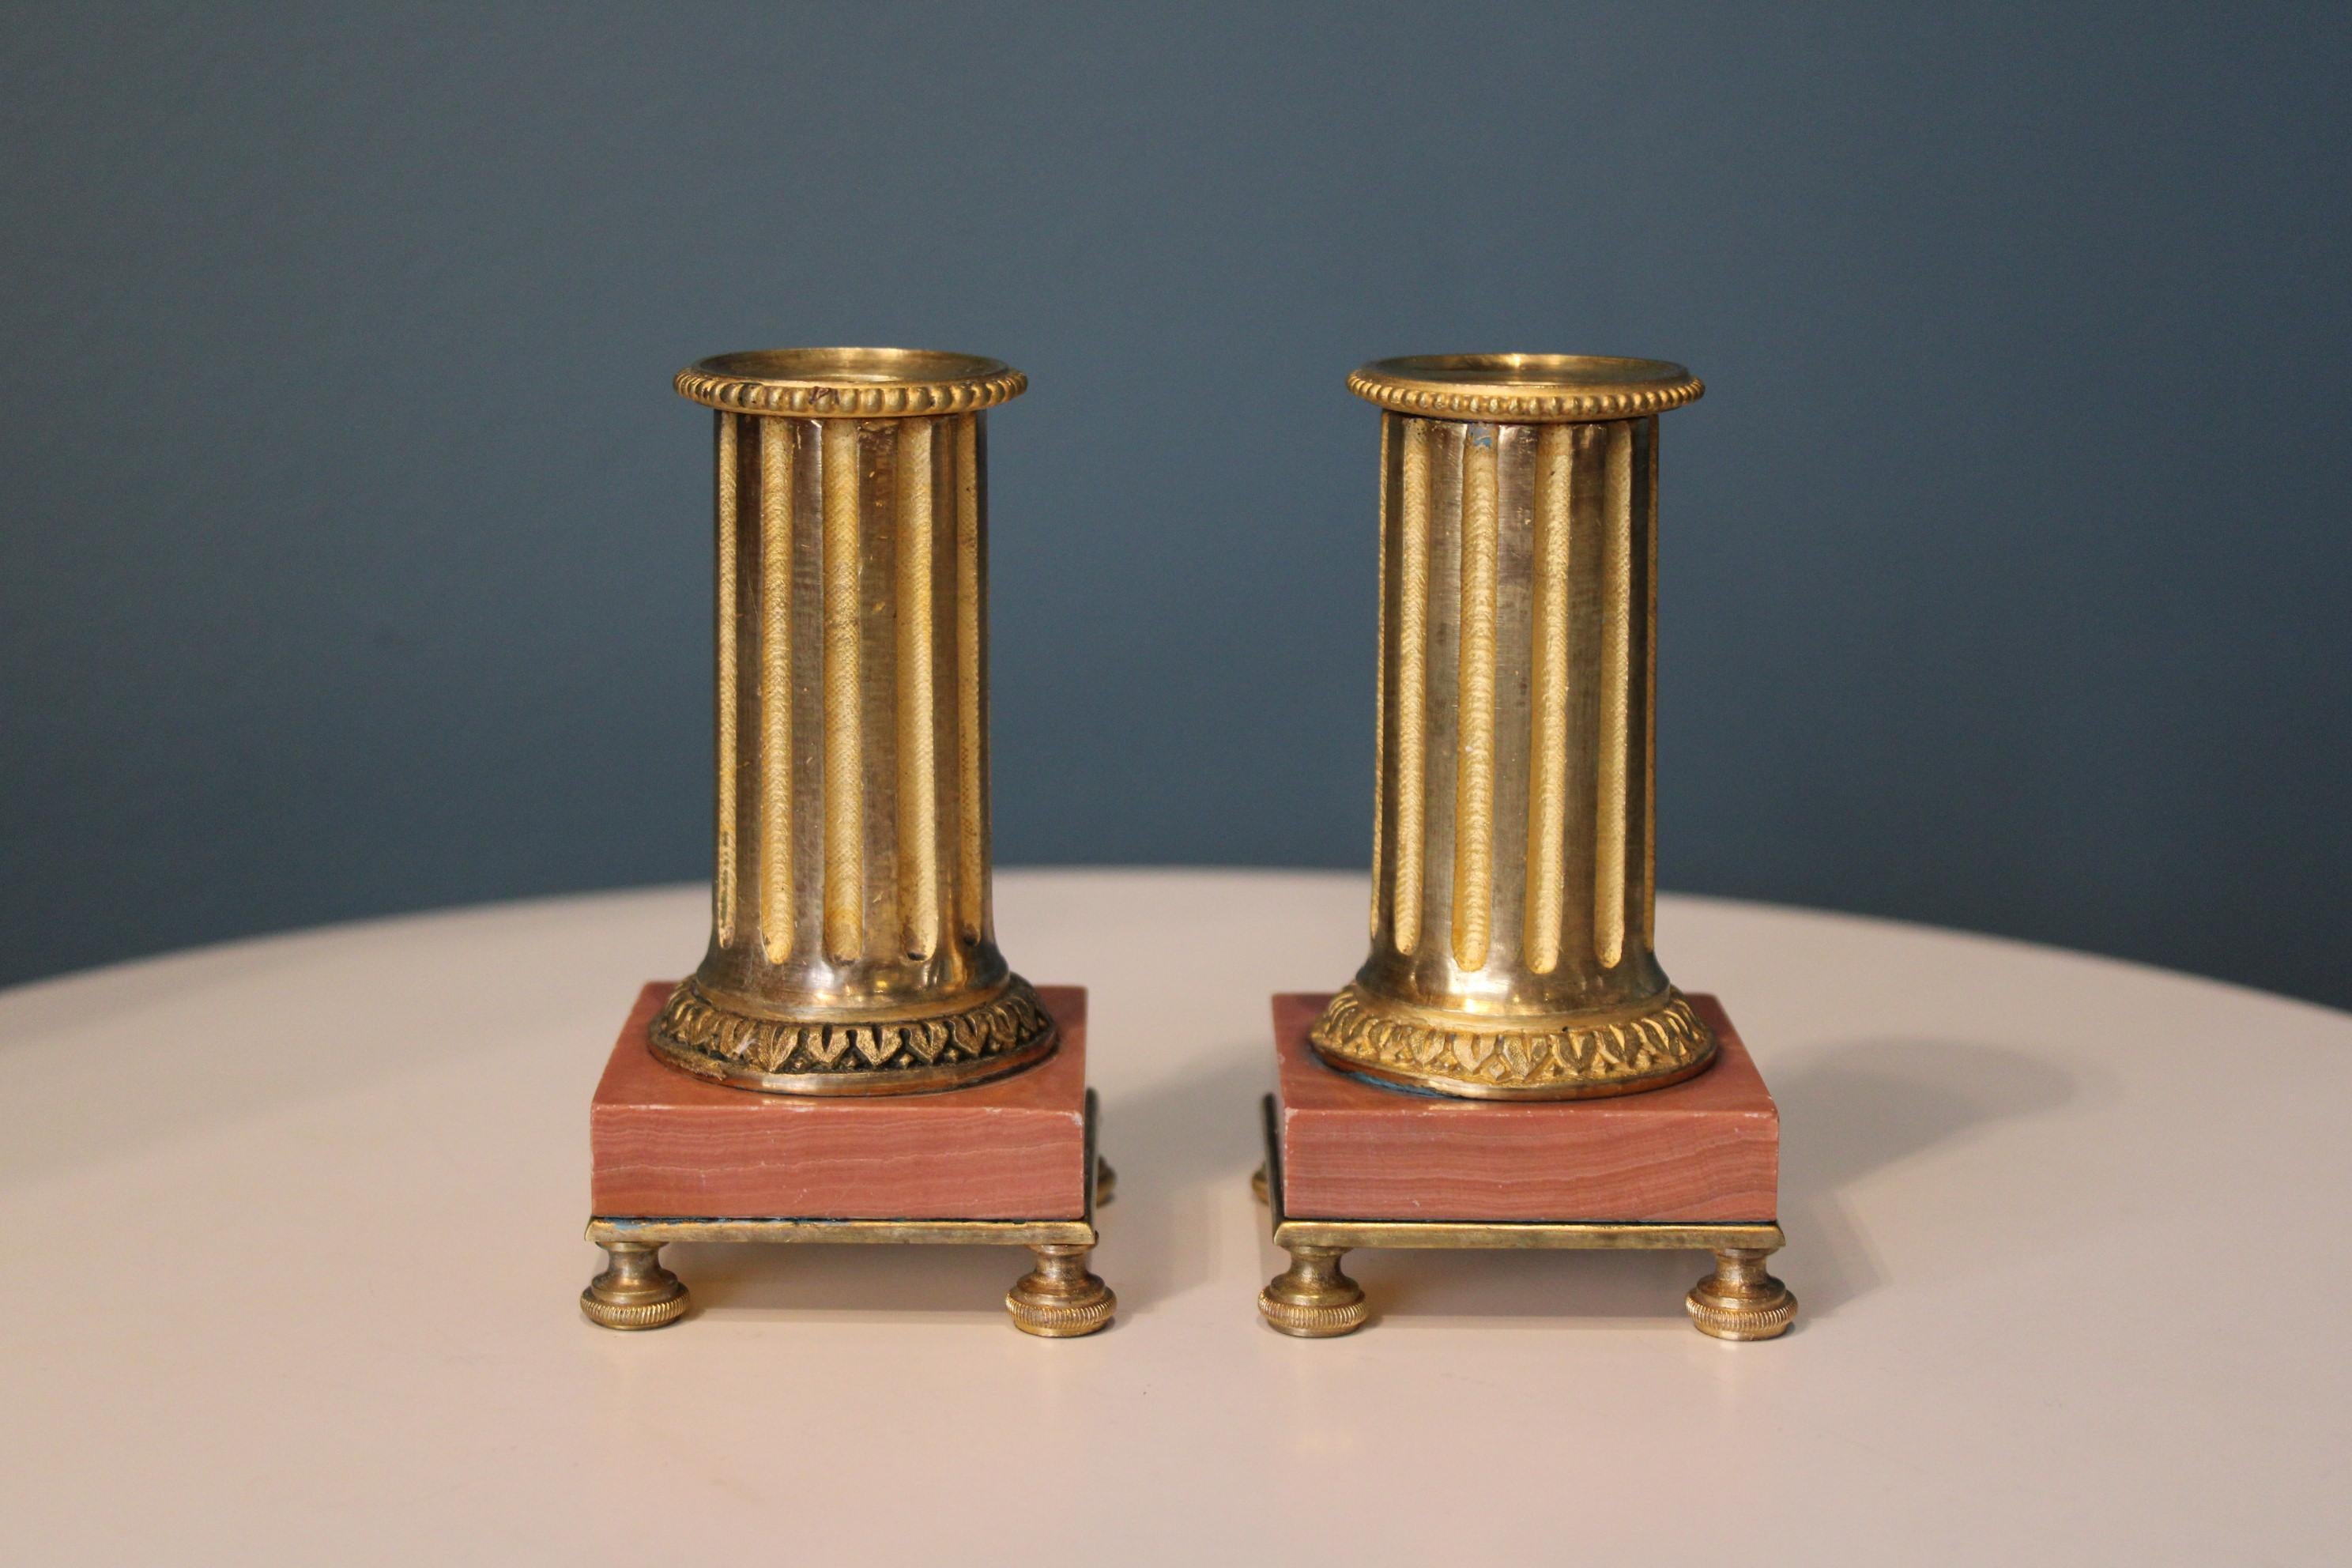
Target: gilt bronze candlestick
(1513, 841)
(1514, 877)
(859, 1065)
(852, 948)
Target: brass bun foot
(1106, 1183)
(1059, 1299)
(1739, 1300)
(1312, 1298)
(635, 1292)
(1257, 1186)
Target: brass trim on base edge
(1738, 1301)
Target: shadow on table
(1847, 1112)
(861, 1283)
(1185, 1149)
(1853, 1109)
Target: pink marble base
(1705, 1150)
(666, 1145)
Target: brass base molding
(700, 1034)
(1314, 1298)
(1581, 1058)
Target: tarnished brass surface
(635, 1292)
(1059, 1299)
(853, 950)
(1740, 1300)
(1313, 1298)
(1513, 843)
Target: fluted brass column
(852, 946)
(1514, 851)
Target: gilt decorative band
(852, 949)
(1514, 846)
(999, 1035)
(1662, 1045)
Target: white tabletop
(297, 1242)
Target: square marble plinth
(667, 1145)
(1707, 1150)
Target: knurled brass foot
(1058, 1299)
(1739, 1300)
(1312, 1299)
(635, 1292)
(1257, 1186)
(1106, 1182)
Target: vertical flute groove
(1474, 790)
(1412, 682)
(1381, 686)
(844, 870)
(775, 901)
(722, 882)
(918, 841)
(971, 711)
(1547, 890)
(1649, 933)
(1616, 699)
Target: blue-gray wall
(354, 550)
